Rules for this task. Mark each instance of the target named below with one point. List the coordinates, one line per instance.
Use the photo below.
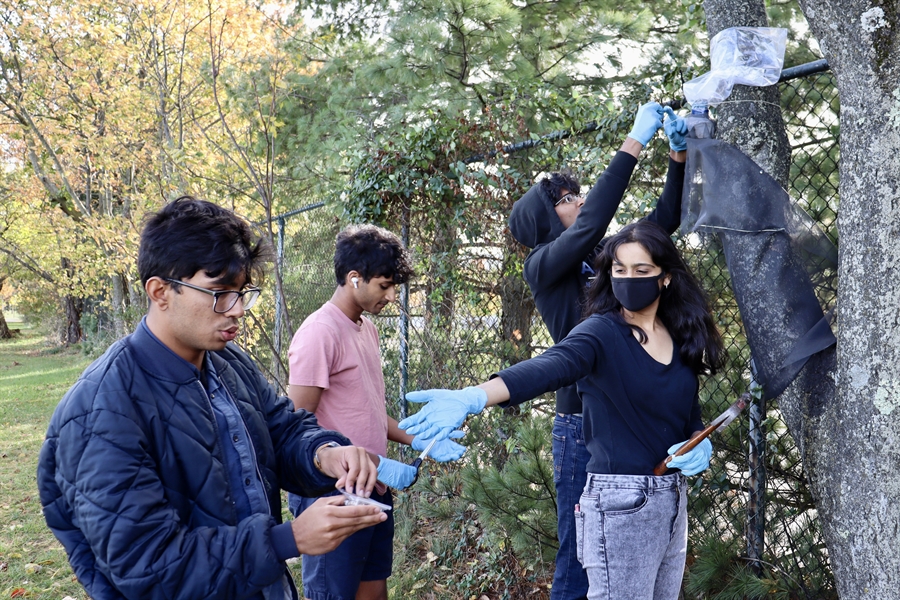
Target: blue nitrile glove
(446, 410)
(395, 474)
(676, 130)
(442, 451)
(693, 462)
(647, 122)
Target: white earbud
(355, 281)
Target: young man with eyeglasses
(162, 468)
(565, 231)
(335, 372)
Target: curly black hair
(554, 183)
(373, 252)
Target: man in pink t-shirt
(335, 372)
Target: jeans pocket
(579, 535)
(621, 501)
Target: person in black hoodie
(565, 232)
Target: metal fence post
(404, 330)
(756, 505)
(404, 324)
(279, 264)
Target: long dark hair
(683, 307)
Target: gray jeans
(632, 536)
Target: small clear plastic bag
(739, 55)
(354, 500)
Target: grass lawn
(33, 377)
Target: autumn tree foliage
(108, 110)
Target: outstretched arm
(495, 390)
(565, 363)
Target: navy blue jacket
(559, 268)
(133, 481)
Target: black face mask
(636, 293)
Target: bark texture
(751, 120)
(855, 442)
(842, 409)
(73, 307)
(517, 305)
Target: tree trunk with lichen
(842, 408)
(856, 454)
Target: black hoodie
(559, 267)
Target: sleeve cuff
(321, 479)
(283, 541)
(675, 166)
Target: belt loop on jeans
(648, 485)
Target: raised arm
(667, 213)
(549, 262)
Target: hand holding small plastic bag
(676, 130)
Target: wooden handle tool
(721, 421)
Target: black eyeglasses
(224, 300)
(568, 199)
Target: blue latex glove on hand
(693, 462)
(648, 120)
(446, 410)
(676, 129)
(395, 474)
(442, 451)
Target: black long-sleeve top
(559, 268)
(635, 407)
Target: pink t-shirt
(343, 358)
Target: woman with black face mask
(647, 336)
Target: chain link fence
(469, 313)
